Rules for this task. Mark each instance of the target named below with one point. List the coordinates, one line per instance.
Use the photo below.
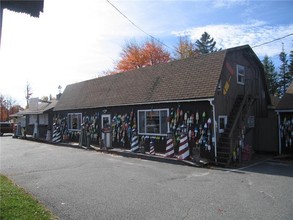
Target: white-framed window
(33, 119)
(153, 122)
(240, 74)
(43, 119)
(74, 121)
(222, 122)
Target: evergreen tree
(271, 75)
(290, 66)
(284, 74)
(206, 44)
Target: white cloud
(61, 46)
(253, 33)
(74, 41)
(228, 3)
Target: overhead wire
(154, 38)
(139, 28)
(268, 42)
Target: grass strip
(15, 203)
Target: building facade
(215, 100)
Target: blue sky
(74, 41)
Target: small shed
(40, 114)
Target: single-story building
(215, 99)
(285, 121)
(38, 118)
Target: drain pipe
(215, 128)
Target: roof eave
(206, 99)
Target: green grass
(15, 203)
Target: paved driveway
(81, 184)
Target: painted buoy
(152, 148)
(183, 148)
(56, 136)
(169, 148)
(134, 143)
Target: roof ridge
(172, 62)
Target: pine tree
(271, 75)
(206, 44)
(284, 74)
(290, 66)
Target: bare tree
(28, 93)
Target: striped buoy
(183, 148)
(57, 138)
(134, 142)
(152, 148)
(169, 148)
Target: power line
(268, 42)
(135, 25)
(154, 38)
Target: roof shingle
(191, 78)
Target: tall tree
(206, 44)
(284, 74)
(185, 48)
(7, 107)
(28, 93)
(134, 56)
(3, 108)
(271, 75)
(290, 66)
(154, 53)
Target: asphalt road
(83, 184)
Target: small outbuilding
(38, 118)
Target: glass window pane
(153, 122)
(74, 121)
(222, 123)
(164, 122)
(69, 121)
(141, 121)
(240, 74)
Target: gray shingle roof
(42, 107)
(191, 78)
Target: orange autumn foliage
(134, 56)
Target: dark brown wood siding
(254, 85)
(191, 107)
